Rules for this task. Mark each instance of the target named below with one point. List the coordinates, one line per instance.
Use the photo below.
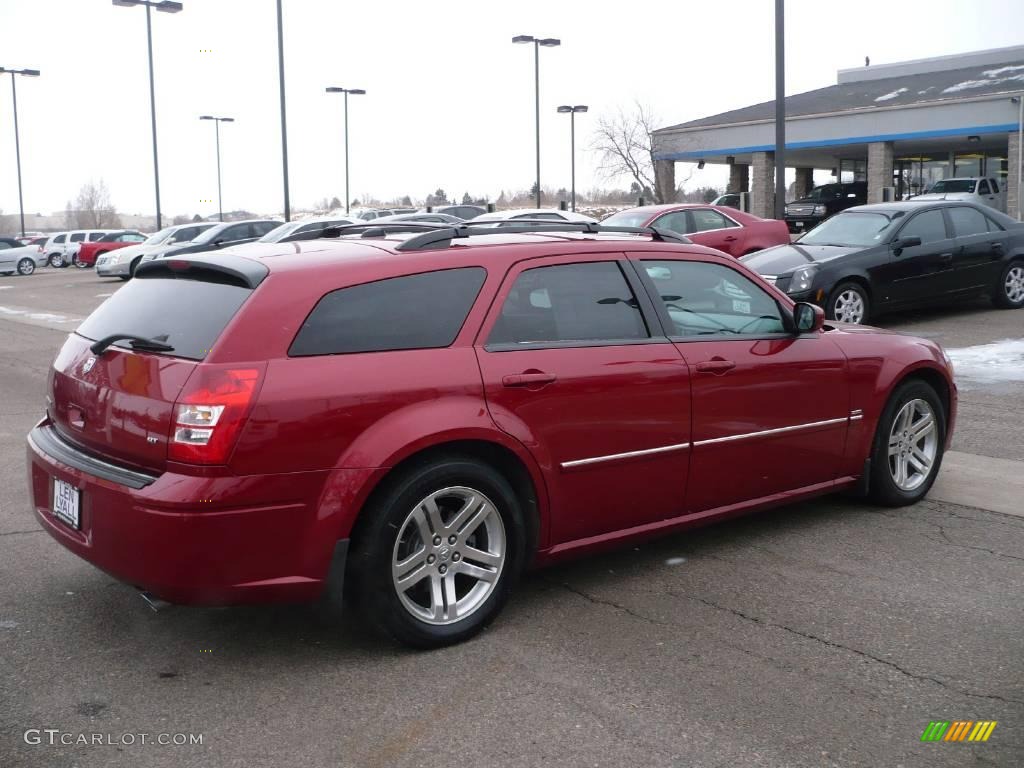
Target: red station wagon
(422, 416)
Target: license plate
(66, 503)
(799, 224)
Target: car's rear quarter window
(421, 311)
(191, 313)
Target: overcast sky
(450, 99)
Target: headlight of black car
(802, 278)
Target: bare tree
(624, 143)
(93, 208)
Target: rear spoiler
(220, 268)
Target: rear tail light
(210, 413)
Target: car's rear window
(421, 311)
(190, 313)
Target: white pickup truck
(981, 191)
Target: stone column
(739, 178)
(665, 179)
(762, 190)
(804, 182)
(879, 169)
(1013, 157)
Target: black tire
(840, 293)
(126, 278)
(883, 488)
(26, 266)
(369, 568)
(1001, 295)
(55, 260)
(131, 269)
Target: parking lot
(828, 633)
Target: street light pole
(571, 111)
(1019, 98)
(217, 121)
(166, 6)
(354, 92)
(780, 110)
(17, 139)
(284, 121)
(547, 42)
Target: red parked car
(716, 226)
(89, 252)
(426, 415)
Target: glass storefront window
(914, 175)
(997, 167)
(967, 164)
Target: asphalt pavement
(828, 633)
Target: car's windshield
(161, 236)
(953, 185)
(626, 219)
(825, 192)
(854, 228)
(279, 233)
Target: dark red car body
(317, 435)
(741, 234)
(89, 252)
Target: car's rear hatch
(120, 402)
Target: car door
(981, 243)
(770, 409)
(233, 234)
(7, 258)
(921, 272)
(573, 371)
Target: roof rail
(439, 235)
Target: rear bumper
(201, 540)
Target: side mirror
(905, 242)
(808, 318)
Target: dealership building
(899, 127)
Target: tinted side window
(237, 232)
(967, 221)
(995, 186)
(4, 245)
(929, 226)
(712, 300)
(77, 237)
(705, 219)
(184, 235)
(983, 188)
(263, 227)
(59, 238)
(570, 302)
(414, 312)
(673, 222)
(94, 236)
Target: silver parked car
(22, 259)
(122, 262)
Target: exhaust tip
(155, 603)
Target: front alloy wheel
(848, 304)
(448, 556)
(908, 446)
(26, 267)
(56, 260)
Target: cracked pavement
(823, 634)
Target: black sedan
(872, 259)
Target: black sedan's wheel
(908, 447)
(26, 266)
(56, 260)
(437, 554)
(848, 303)
(1009, 293)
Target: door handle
(945, 257)
(729, 238)
(528, 379)
(996, 246)
(717, 367)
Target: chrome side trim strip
(627, 455)
(778, 431)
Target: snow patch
(968, 84)
(1001, 70)
(48, 316)
(1000, 361)
(675, 561)
(929, 88)
(892, 95)
(9, 311)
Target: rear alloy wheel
(848, 304)
(26, 266)
(56, 260)
(438, 552)
(1010, 290)
(908, 445)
